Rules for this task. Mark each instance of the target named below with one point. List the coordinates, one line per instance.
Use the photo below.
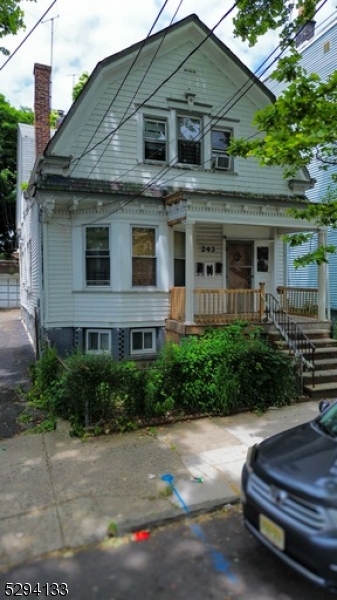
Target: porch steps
(325, 359)
(321, 390)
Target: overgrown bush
(44, 373)
(222, 372)
(225, 371)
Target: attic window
(220, 142)
(155, 140)
(189, 144)
(326, 47)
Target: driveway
(16, 354)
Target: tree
(11, 19)
(78, 87)
(291, 134)
(9, 119)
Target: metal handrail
(298, 342)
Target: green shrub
(44, 373)
(222, 372)
(89, 388)
(225, 371)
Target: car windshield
(328, 420)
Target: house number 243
(207, 248)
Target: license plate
(272, 532)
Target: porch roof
(236, 208)
(179, 195)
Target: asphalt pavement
(16, 355)
(58, 492)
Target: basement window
(98, 341)
(143, 341)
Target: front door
(239, 275)
(239, 265)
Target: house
(9, 284)
(136, 225)
(318, 46)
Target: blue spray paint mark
(170, 479)
(220, 564)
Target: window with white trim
(144, 262)
(97, 256)
(189, 140)
(220, 140)
(142, 341)
(155, 139)
(98, 341)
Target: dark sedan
(289, 496)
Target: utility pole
(73, 75)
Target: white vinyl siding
(121, 309)
(58, 269)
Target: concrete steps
(325, 359)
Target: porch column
(321, 280)
(189, 274)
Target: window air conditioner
(222, 161)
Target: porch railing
(299, 345)
(299, 301)
(220, 305)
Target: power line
(252, 80)
(28, 35)
(87, 151)
(124, 78)
(215, 120)
(138, 87)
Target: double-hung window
(144, 263)
(97, 256)
(189, 140)
(155, 138)
(220, 139)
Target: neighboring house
(138, 233)
(318, 47)
(9, 284)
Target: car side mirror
(323, 405)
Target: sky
(75, 35)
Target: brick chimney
(42, 75)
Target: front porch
(220, 306)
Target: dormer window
(189, 140)
(155, 138)
(220, 141)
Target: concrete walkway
(59, 492)
(16, 354)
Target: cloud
(77, 34)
